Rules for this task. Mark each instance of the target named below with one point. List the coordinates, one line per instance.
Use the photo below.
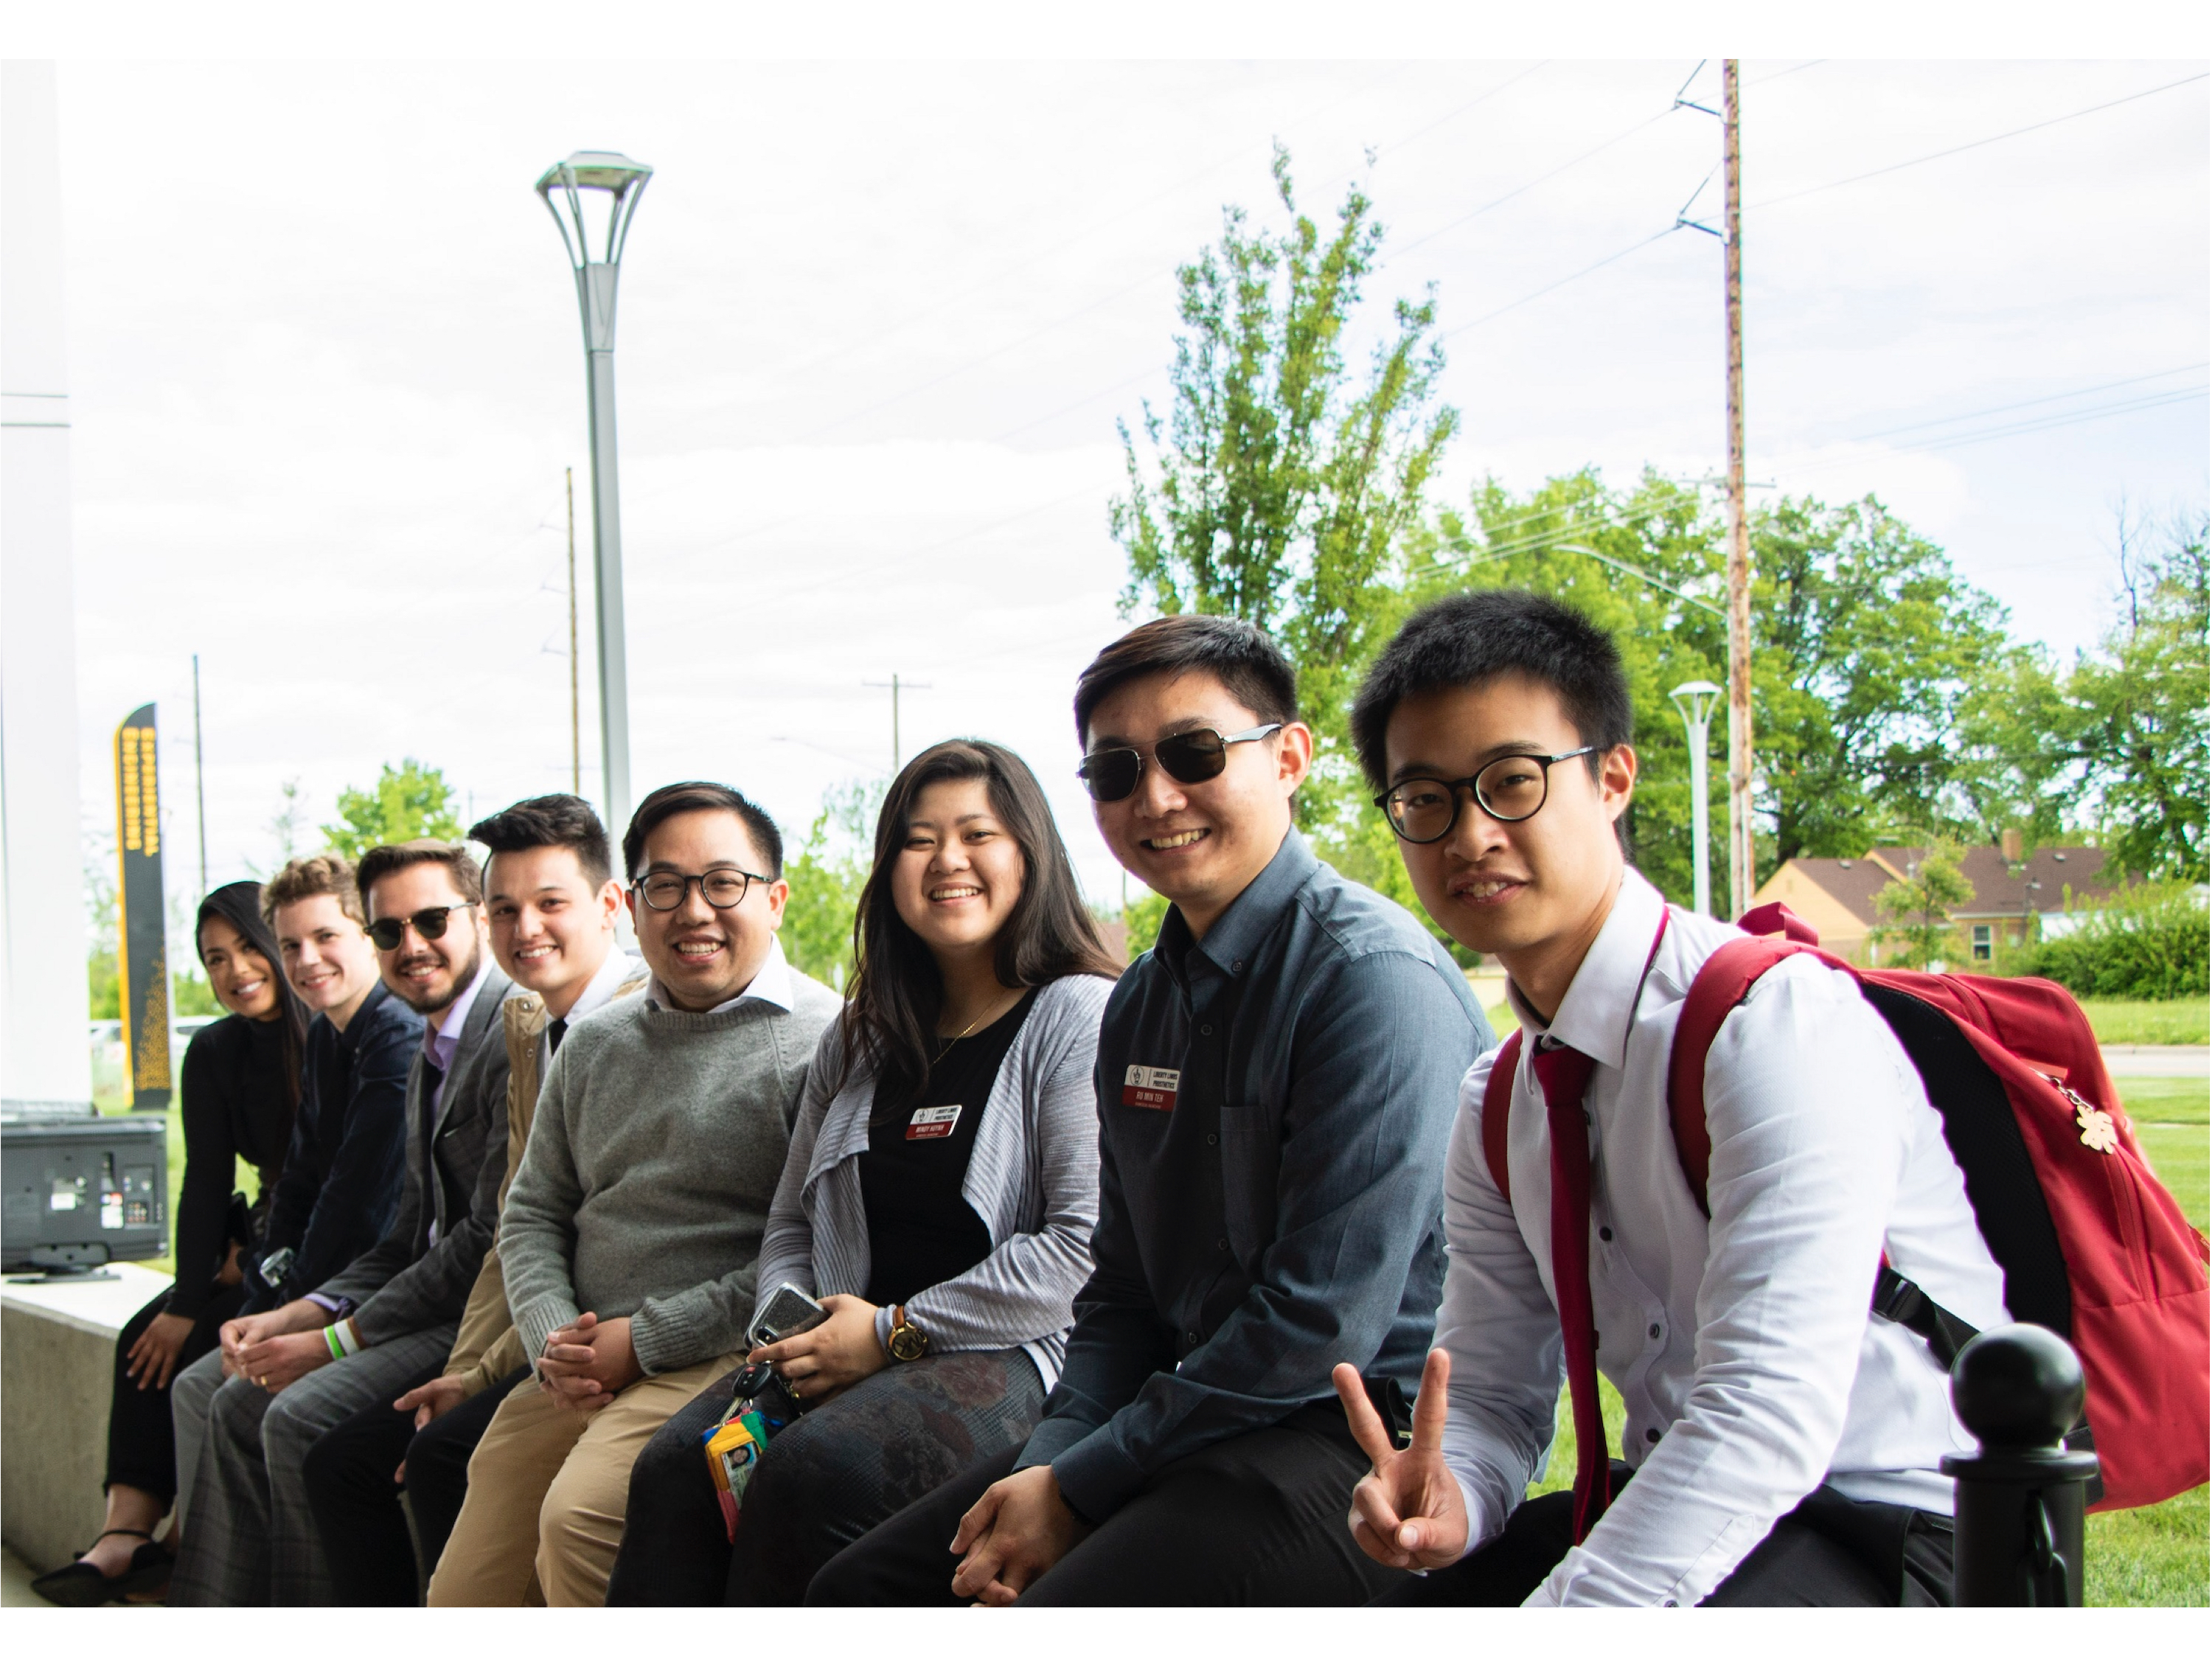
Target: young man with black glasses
(630, 1235)
(1786, 1442)
(1275, 1084)
(384, 1321)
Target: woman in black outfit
(241, 1085)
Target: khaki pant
(546, 1489)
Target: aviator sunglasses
(1190, 757)
(388, 931)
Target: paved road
(2141, 1059)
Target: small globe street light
(1695, 700)
(613, 184)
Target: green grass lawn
(2185, 1020)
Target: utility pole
(200, 773)
(1742, 870)
(893, 685)
(576, 695)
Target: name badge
(932, 1123)
(1153, 1087)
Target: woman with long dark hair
(241, 1087)
(937, 1200)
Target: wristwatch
(907, 1341)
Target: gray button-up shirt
(1273, 1105)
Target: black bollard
(2018, 1389)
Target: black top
(347, 1164)
(237, 1103)
(921, 1230)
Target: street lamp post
(621, 181)
(1695, 699)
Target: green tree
(826, 876)
(1280, 487)
(1916, 909)
(2140, 702)
(409, 802)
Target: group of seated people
(1013, 1275)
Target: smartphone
(789, 1311)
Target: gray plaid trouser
(251, 1540)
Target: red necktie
(1563, 1074)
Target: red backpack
(2091, 1246)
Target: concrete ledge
(56, 1363)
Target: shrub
(2149, 941)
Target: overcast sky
(878, 321)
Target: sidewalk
(2145, 1060)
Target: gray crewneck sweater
(644, 1187)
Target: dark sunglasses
(1190, 757)
(388, 931)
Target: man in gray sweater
(631, 1233)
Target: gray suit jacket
(407, 1282)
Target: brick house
(2010, 904)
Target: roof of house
(2040, 884)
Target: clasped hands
(276, 1349)
(588, 1363)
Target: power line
(1573, 276)
(2029, 403)
(1960, 149)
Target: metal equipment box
(83, 1192)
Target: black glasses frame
(1200, 762)
(645, 898)
(1454, 787)
(429, 923)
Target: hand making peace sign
(1409, 1512)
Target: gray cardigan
(1032, 1180)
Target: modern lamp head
(622, 179)
(1695, 699)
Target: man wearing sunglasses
(1276, 1080)
(1786, 1441)
(631, 1234)
(384, 1322)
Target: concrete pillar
(46, 1055)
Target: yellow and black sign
(140, 922)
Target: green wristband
(331, 1338)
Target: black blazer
(408, 1282)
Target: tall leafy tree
(2140, 702)
(826, 875)
(408, 802)
(1281, 485)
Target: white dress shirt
(1742, 1346)
(598, 991)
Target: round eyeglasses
(663, 890)
(1511, 789)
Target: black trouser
(349, 1476)
(142, 1438)
(1829, 1552)
(825, 1480)
(1255, 1520)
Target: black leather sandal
(80, 1585)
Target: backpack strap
(1497, 1105)
(1724, 981)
